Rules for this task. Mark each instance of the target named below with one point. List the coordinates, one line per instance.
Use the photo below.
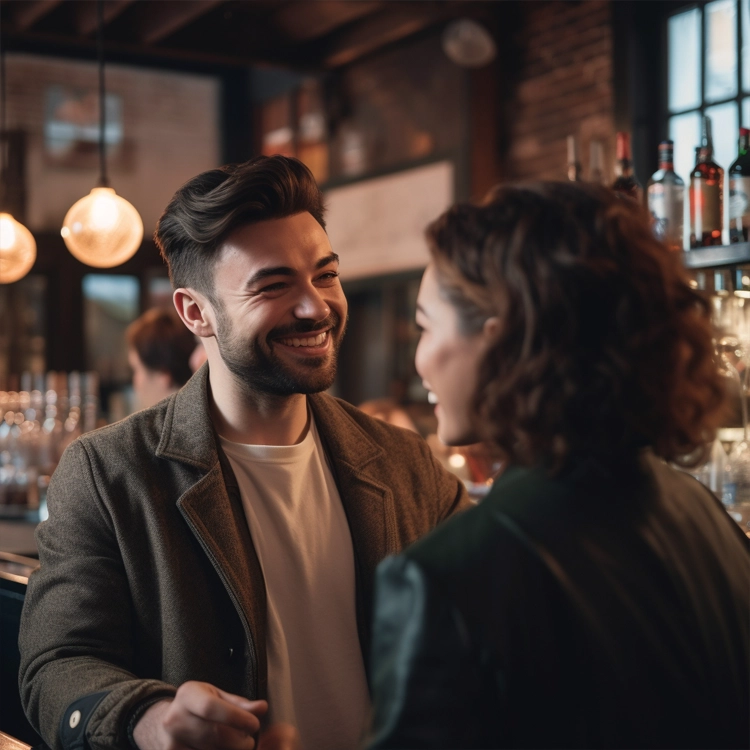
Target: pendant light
(102, 229)
(17, 245)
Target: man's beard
(262, 371)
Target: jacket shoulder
(381, 432)
(135, 434)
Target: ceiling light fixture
(17, 245)
(468, 43)
(102, 229)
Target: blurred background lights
(17, 250)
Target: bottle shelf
(718, 255)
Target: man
(159, 352)
(219, 549)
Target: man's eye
(420, 329)
(273, 287)
(329, 275)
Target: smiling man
(217, 551)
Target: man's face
(280, 309)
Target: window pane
(721, 50)
(685, 60)
(745, 45)
(746, 112)
(685, 131)
(725, 127)
(110, 304)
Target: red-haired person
(159, 351)
(598, 597)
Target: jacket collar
(348, 445)
(188, 433)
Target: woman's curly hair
(603, 346)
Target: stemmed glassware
(732, 320)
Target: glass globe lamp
(468, 43)
(17, 249)
(102, 229)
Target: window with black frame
(708, 72)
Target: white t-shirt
(316, 675)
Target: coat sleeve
(75, 636)
(426, 682)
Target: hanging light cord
(3, 137)
(103, 181)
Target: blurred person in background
(159, 352)
(597, 597)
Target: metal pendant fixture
(17, 245)
(468, 43)
(102, 229)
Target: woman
(597, 597)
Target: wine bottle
(706, 193)
(625, 182)
(666, 199)
(739, 191)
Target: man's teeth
(431, 397)
(310, 341)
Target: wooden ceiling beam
(26, 14)
(87, 18)
(159, 20)
(396, 21)
(303, 19)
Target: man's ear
(195, 310)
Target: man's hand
(200, 717)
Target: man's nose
(311, 306)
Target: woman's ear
(195, 311)
(491, 328)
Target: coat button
(75, 718)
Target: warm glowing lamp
(17, 245)
(102, 229)
(17, 249)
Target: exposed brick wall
(564, 87)
(170, 125)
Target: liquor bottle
(625, 182)
(739, 191)
(706, 194)
(574, 163)
(666, 199)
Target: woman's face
(447, 361)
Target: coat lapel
(213, 510)
(367, 501)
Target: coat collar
(188, 433)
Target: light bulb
(102, 229)
(17, 249)
(468, 43)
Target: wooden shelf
(718, 255)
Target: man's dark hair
(162, 343)
(604, 347)
(206, 209)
